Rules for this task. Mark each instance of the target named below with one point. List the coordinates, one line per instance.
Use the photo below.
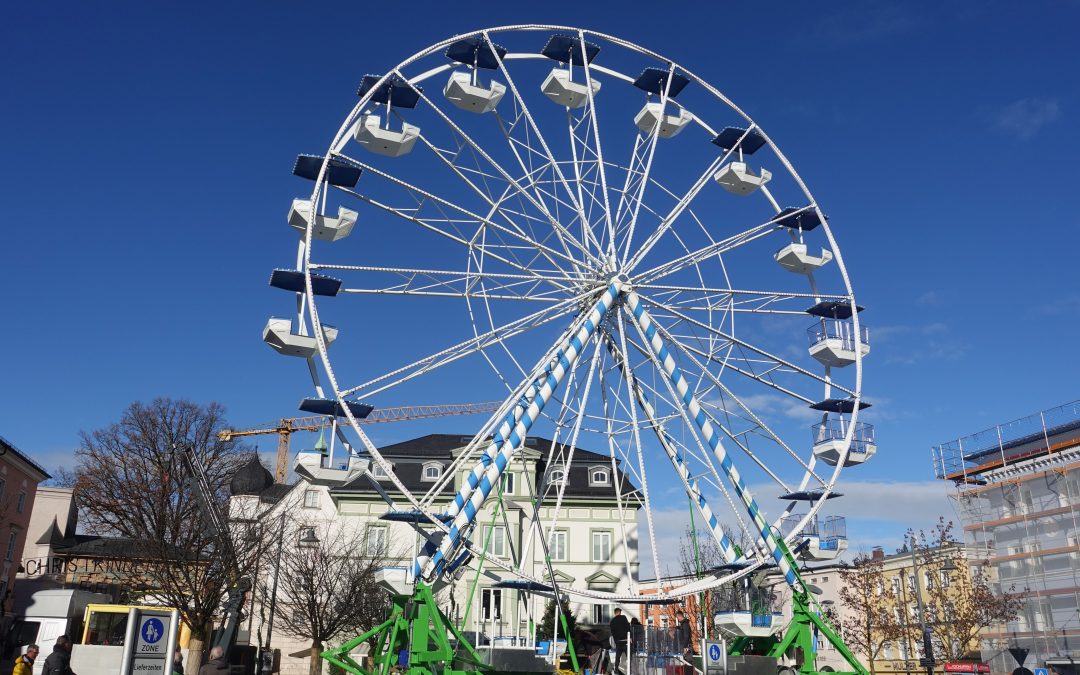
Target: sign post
(715, 657)
(150, 641)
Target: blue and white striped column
(691, 484)
(511, 435)
(656, 343)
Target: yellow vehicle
(107, 624)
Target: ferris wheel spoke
(684, 202)
(642, 320)
(667, 442)
(643, 180)
(539, 136)
(768, 357)
(565, 238)
(598, 150)
(702, 254)
(472, 218)
(462, 349)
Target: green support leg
(416, 626)
(800, 635)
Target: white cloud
(878, 513)
(1026, 117)
(864, 23)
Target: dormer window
(432, 472)
(378, 472)
(556, 477)
(599, 476)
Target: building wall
(1018, 494)
(19, 478)
(359, 516)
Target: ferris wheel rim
(312, 310)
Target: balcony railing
(837, 329)
(836, 430)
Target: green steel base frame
(800, 636)
(420, 629)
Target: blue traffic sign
(714, 654)
(152, 630)
(1041, 671)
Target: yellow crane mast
(287, 426)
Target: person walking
(216, 665)
(59, 662)
(178, 662)
(24, 664)
(620, 630)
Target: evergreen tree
(547, 624)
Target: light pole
(927, 659)
(267, 654)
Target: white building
(591, 547)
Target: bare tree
(872, 620)
(959, 604)
(130, 483)
(326, 587)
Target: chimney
(877, 553)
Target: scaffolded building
(1018, 495)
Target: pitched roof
(7, 447)
(409, 457)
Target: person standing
(683, 634)
(24, 664)
(620, 630)
(178, 662)
(216, 665)
(59, 662)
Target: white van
(45, 616)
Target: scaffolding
(1018, 496)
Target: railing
(837, 329)
(836, 430)
(1011, 441)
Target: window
(664, 622)
(376, 539)
(601, 546)
(508, 483)
(378, 471)
(556, 477)
(13, 539)
(598, 475)
(432, 472)
(896, 586)
(943, 576)
(495, 538)
(558, 546)
(2, 484)
(491, 604)
(911, 583)
(928, 580)
(601, 613)
(881, 586)
(20, 505)
(311, 499)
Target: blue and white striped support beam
(511, 435)
(663, 355)
(691, 484)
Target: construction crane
(286, 427)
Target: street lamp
(927, 659)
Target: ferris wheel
(602, 239)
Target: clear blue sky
(148, 152)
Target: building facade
(593, 544)
(1018, 493)
(19, 478)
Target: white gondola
(670, 125)
(561, 89)
(372, 136)
(833, 343)
(737, 178)
(465, 94)
(278, 334)
(748, 624)
(326, 228)
(824, 548)
(795, 258)
(829, 442)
